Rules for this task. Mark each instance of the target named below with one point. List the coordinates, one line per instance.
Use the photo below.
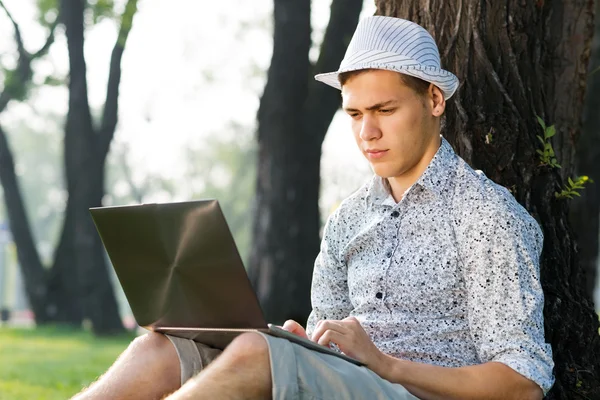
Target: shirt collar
(434, 178)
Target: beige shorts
(300, 373)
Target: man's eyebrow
(373, 107)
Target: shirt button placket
(388, 255)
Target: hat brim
(446, 81)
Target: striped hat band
(394, 44)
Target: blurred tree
(293, 117)
(534, 64)
(585, 214)
(224, 168)
(38, 170)
(77, 286)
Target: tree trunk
(293, 118)
(31, 265)
(80, 257)
(585, 213)
(57, 309)
(516, 60)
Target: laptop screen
(178, 265)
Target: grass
(52, 363)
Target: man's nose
(369, 129)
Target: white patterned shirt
(447, 276)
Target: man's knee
(154, 346)
(251, 347)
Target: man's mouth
(375, 154)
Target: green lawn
(52, 363)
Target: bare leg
(242, 371)
(147, 369)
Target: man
(429, 274)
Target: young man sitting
(428, 274)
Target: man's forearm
(486, 381)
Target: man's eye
(354, 115)
(386, 110)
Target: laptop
(182, 273)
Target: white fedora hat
(394, 44)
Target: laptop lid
(178, 265)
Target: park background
(184, 124)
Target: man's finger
(325, 325)
(332, 336)
(294, 327)
(290, 325)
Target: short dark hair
(418, 85)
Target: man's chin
(382, 173)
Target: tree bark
(585, 213)
(293, 118)
(516, 60)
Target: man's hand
(352, 340)
(293, 327)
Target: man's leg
(147, 369)
(243, 370)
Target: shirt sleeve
(501, 247)
(329, 293)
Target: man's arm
(500, 246)
(487, 381)
(330, 297)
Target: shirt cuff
(535, 370)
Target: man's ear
(436, 100)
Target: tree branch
(324, 101)
(111, 105)
(14, 84)
(18, 36)
(49, 41)
(16, 87)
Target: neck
(398, 185)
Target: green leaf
(540, 152)
(102, 9)
(551, 131)
(576, 194)
(47, 11)
(541, 122)
(570, 181)
(53, 81)
(541, 139)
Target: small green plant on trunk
(547, 156)
(573, 187)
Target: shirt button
(395, 214)
(388, 254)
(379, 295)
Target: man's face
(393, 126)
